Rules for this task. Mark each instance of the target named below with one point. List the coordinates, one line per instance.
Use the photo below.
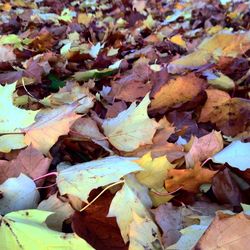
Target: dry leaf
(227, 231)
(188, 179)
(204, 147)
(131, 128)
(177, 91)
(50, 124)
(29, 161)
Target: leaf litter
(124, 124)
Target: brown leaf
(215, 98)
(188, 179)
(87, 129)
(231, 116)
(29, 161)
(93, 225)
(226, 189)
(133, 85)
(226, 232)
(204, 147)
(172, 219)
(177, 91)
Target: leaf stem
(46, 175)
(106, 188)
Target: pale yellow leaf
(131, 128)
(50, 124)
(132, 198)
(12, 118)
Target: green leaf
(96, 74)
(80, 179)
(56, 83)
(26, 229)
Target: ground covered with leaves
(124, 124)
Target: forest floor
(124, 124)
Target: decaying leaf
(221, 44)
(226, 231)
(96, 228)
(230, 116)
(29, 161)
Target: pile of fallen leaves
(124, 124)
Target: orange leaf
(177, 91)
(188, 179)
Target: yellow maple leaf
(131, 128)
(155, 170)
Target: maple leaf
(17, 227)
(222, 232)
(122, 131)
(177, 91)
(188, 179)
(13, 119)
(80, 179)
(155, 171)
(29, 161)
(132, 198)
(221, 44)
(204, 147)
(229, 114)
(215, 98)
(50, 124)
(18, 193)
